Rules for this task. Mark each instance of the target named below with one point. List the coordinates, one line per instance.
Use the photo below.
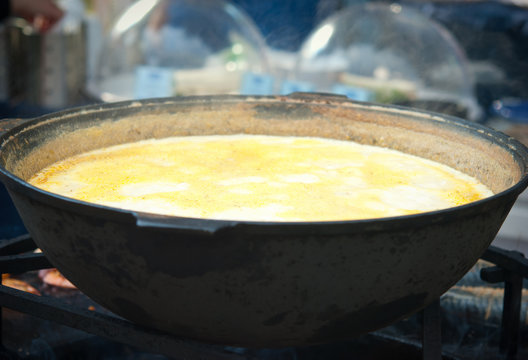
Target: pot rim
(213, 226)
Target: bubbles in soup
(262, 178)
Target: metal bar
(17, 245)
(1, 321)
(432, 332)
(493, 274)
(511, 268)
(511, 314)
(509, 260)
(16, 264)
(110, 327)
(14, 261)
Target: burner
(62, 310)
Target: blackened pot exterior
(261, 284)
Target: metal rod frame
(511, 268)
(15, 257)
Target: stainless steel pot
(47, 70)
(262, 284)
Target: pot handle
(188, 225)
(8, 124)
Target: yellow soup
(265, 178)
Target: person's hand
(43, 14)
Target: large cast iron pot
(261, 284)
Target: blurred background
(466, 58)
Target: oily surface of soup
(257, 177)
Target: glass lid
(160, 48)
(387, 53)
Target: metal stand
(432, 332)
(107, 326)
(110, 327)
(511, 268)
(16, 257)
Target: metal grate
(17, 256)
